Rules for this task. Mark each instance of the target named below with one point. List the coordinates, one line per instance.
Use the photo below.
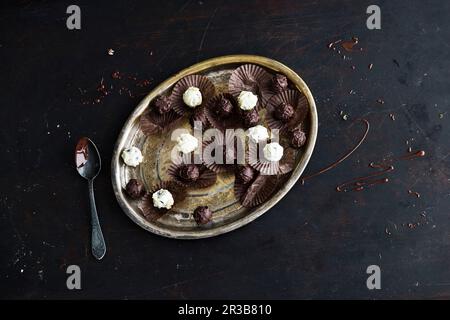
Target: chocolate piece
(245, 174)
(259, 190)
(189, 172)
(251, 118)
(202, 214)
(162, 105)
(135, 189)
(224, 107)
(279, 82)
(81, 152)
(298, 138)
(284, 112)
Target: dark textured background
(316, 243)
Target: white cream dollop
(273, 151)
(258, 133)
(247, 100)
(187, 143)
(132, 156)
(162, 199)
(192, 97)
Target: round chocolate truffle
(224, 107)
(284, 112)
(279, 82)
(135, 189)
(189, 172)
(246, 174)
(202, 214)
(251, 118)
(162, 105)
(298, 138)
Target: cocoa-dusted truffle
(284, 112)
(224, 107)
(279, 82)
(162, 105)
(298, 138)
(202, 214)
(135, 189)
(189, 173)
(245, 174)
(250, 118)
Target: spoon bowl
(87, 159)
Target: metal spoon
(89, 164)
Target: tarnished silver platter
(228, 213)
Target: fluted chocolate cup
(201, 177)
(291, 98)
(266, 167)
(231, 146)
(220, 119)
(250, 77)
(256, 192)
(149, 211)
(205, 86)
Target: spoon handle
(97, 240)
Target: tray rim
(166, 84)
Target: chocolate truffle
(192, 97)
(279, 82)
(258, 134)
(247, 100)
(163, 199)
(224, 107)
(273, 151)
(202, 215)
(245, 174)
(162, 105)
(189, 172)
(298, 138)
(284, 112)
(132, 156)
(135, 189)
(186, 143)
(251, 118)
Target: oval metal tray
(228, 213)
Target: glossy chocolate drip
(82, 152)
(413, 155)
(360, 183)
(345, 156)
(415, 193)
(349, 44)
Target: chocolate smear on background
(345, 156)
(349, 44)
